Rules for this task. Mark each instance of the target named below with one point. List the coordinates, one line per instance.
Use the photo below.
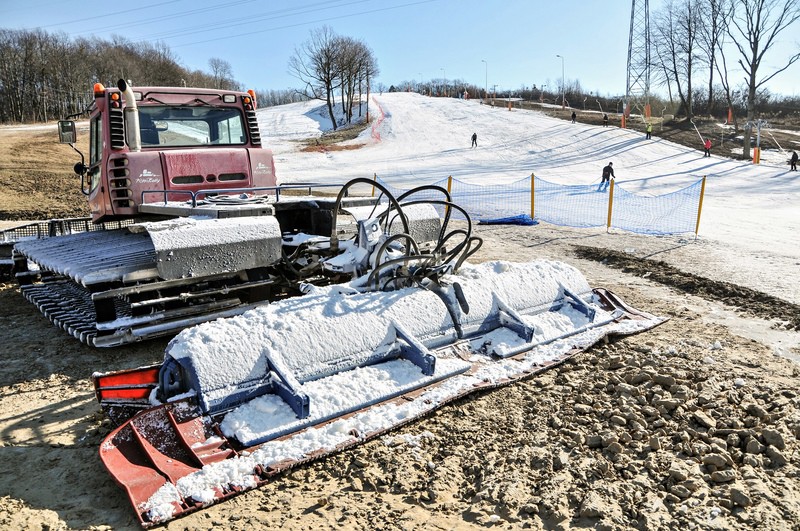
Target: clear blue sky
(519, 40)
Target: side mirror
(67, 133)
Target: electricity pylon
(637, 91)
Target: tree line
(702, 41)
(47, 76)
(709, 55)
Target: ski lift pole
(696, 129)
(757, 150)
(776, 143)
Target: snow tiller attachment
(241, 399)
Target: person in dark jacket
(574, 116)
(793, 161)
(474, 139)
(605, 120)
(608, 174)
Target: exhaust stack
(133, 136)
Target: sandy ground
(694, 424)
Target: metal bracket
(578, 303)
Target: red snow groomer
(188, 221)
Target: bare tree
(722, 69)
(713, 26)
(369, 70)
(754, 27)
(316, 64)
(222, 73)
(356, 65)
(676, 42)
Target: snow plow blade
(239, 400)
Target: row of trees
(329, 65)
(699, 41)
(46, 76)
(695, 43)
(703, 102)
(698, 48)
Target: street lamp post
(563, 98)
(541, 94)
(486, 79)
(419, 85)
(444, 82)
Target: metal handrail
(205, 192)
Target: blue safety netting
(671, 213)
(570, 205)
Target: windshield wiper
(203, 102)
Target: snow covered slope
(417, 140)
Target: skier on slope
(608, 174)
(707, 147)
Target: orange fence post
(610, 204)
(449, 191)
(374, 179)
(533, 190)
(700, 206)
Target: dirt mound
(744, 299)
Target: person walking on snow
(648, 130)
(608, 174)
(707, 147)
(474, 139)
(793, 161)
(605, 120)
(573, 116)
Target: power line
(305, 23)
(250, 19)
(114, 14)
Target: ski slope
(417, 139)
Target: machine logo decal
(262, 168)
(148, 177)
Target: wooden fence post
(610, 204)
(700, 206)
(533, 190)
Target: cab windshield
(175, 126)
